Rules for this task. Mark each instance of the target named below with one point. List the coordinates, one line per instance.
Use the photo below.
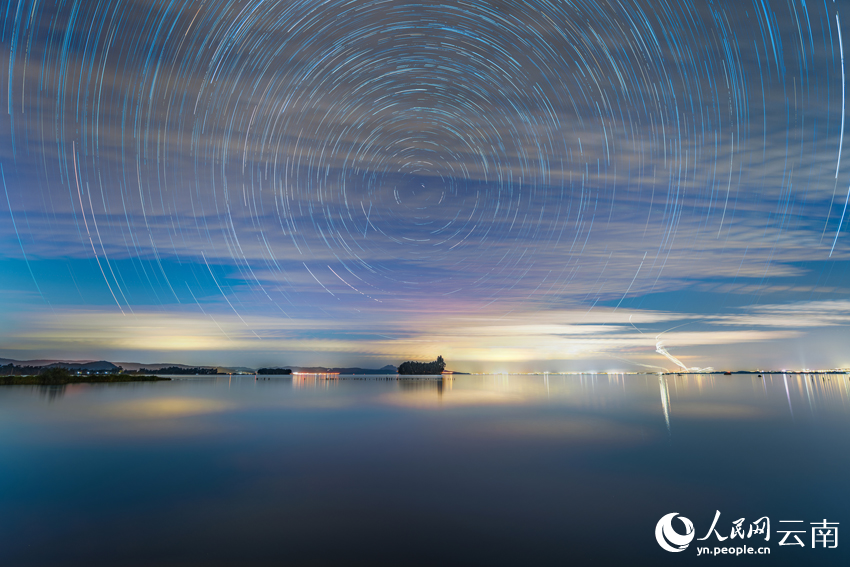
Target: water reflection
(530, 469)
(425, 387)
(677, 397)
(51, 393)
(416, 386)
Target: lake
(478, 470)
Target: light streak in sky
(85, 222)
(659, 348)
(15, 228)
(843, 89)
(224, 295)
(841, 139)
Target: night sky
(516, 185)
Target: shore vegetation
(60, 377)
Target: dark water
(479, 470)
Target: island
(61, 377)
(178, 370)
(275, 371)
(412, 367)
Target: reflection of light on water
(698, 396)
(431, 393)
(823, 394)
(787, 395)
(589, 390)
(156, 408)
(312, 381)
(823, 391)
(808, 392)
(665, 401)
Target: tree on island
(412, 367)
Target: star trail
(537, 184)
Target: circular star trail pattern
(386, 147)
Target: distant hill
(177, 370)
(158, 366)
(99, 366)
(73, 365)
(155, 366)
(42, 362)
(106, 366)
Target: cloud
(469, 340)
(806, 314)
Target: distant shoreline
(758, 372)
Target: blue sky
(513, 185)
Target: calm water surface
(479, 470)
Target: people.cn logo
(671, 540)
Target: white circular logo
(668, 538)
